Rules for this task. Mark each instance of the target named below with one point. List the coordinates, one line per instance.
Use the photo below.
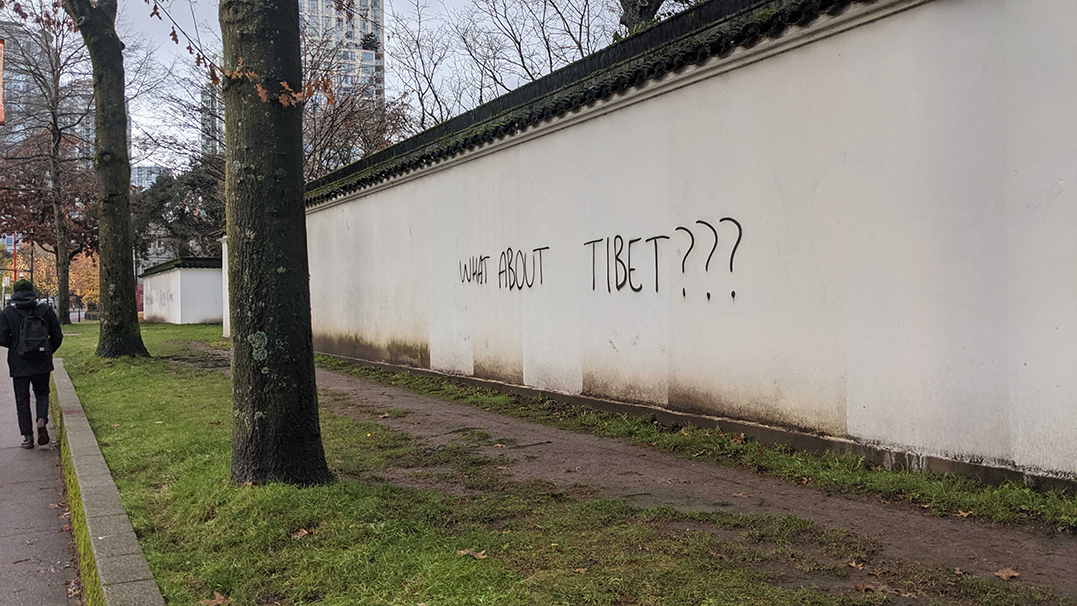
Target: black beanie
(23, 284)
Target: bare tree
(120, 335)
(424, 61)
(53, 104)
(341, 127)
(351, 121)
(488, 47)
(516, 41)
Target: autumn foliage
(26, 196)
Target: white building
(183, 291)
(359, 36)
(144, 176)
(211, 134)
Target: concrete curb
(122, 571)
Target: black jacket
(23, 303)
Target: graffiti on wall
(620, 267)
(517, 269)
(520, 269)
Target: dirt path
(648, 478)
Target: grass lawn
(164, 428)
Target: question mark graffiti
(707, 266)
(690, 246)
(740, 233)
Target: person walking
(31, 333)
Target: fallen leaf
(958, 571)
(1007, 573)
(804, 480)
(299, 534)
(740, 495)
(384, 416)
(720, 556)
(478, 555)
(263, 94)
(217, 600)
(864, 588)
(66, 528)
(580, 570)
(856, 565)
(499, 445)
(368, 435)
(963, 514)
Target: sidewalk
(36, 554)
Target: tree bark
(276, 434)
(63, 268)
(120, 335)
(63, 261)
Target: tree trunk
(120, 335)
(275, 432)
(63, 261)
(63, 268)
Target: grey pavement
(36, 553)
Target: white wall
(202, 301)
(226, 319)
(161, 297)
(905, 277)
(183, 296)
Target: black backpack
(34, 335)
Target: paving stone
(36, 559)
(113, 545)
(114, 524)
(123, 568)
(135, 593)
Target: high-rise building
(18, 82)
(42, 93)
(144, 176)
(211, 135)
(355, 30)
